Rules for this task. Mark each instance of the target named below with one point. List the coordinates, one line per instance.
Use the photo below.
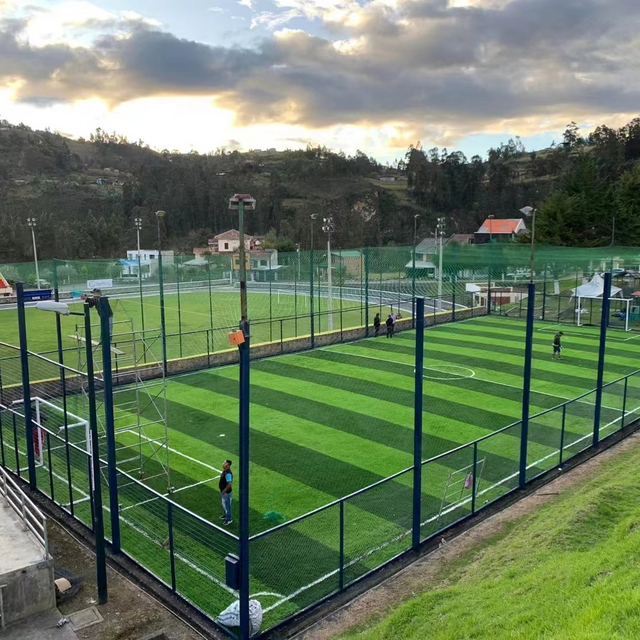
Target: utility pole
(242, 202)
(440, 231)
(329, 227)
(32, 224)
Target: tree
(627, 200)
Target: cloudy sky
(375, 75)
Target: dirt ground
(130, 613)
(419, 576)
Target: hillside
(86, 193)
(567, 569)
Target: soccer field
(196, 324)
(328, 422)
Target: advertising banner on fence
(99, 284)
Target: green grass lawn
(567, 570)
(328, 422)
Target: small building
(228, 242)
(262, 264)
(148, 263)
(350, 261)
(500, 230)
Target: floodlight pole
(238, 201)
(32, 224)
(440, 227)
(490, 218)
(328, 227)
(413, 270)
(163, 326)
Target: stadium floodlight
(440, 231)
(61, 308)
(329, 227)
(530, 212)
(248, 203)
(32, 224)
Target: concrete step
(26, 577)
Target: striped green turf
(328, 422)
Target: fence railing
(357, 534)
(32, 518)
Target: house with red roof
(499, 229)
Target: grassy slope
(569, 570)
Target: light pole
(413, 270)
(329, 227)
(312, 217)
(440, 233)
(240, 202)
(32, 224)
(613, 228)
(490, 218)
(530, 212)
(163, 333)
(138, 223)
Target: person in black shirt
(557, 346)
(376, 323)
(94, 301)
(225, 485)
(389, 324)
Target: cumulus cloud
(466, 65)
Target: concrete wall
(29, 590)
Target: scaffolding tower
(139, 400)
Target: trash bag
(230, 617)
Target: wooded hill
(86, 193)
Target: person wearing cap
(94, 301)
(557, 345)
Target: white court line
(168, 495)
(594, 336)
(474, 377)
(449, 509)
(177, 554)
(184, 455)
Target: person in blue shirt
(226, 487)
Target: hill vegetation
(85, 193)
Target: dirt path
(130, 612)
(420, 575)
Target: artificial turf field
(328, 422)
(188, 317)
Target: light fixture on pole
(530, 212)
(440, 231)
(32, 224)
(329, 227)
(490, 218)
(312, 217)
(138, 223)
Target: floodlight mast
(329, 227)
(242, 202)
(440, 232)
(32, 224)
(531, 212)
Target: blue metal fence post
(526, 385)
(341, 559)
(105, 338)
(311, 297)
(453, 297)
(26, 389)
(564, 421)
(604, 322)
(96, 486)
(243, 532)
(172, 555)
(624, 402)
(417, 423)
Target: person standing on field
(226, 485)
(389, 324)
(557, 345)
(376, 324)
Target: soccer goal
(621, 309)
(460, 487)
